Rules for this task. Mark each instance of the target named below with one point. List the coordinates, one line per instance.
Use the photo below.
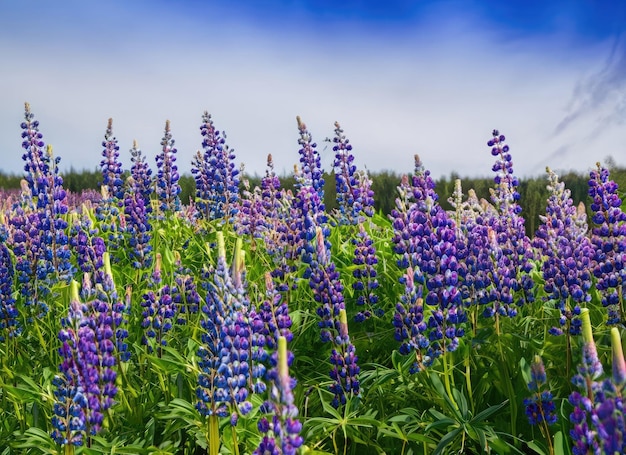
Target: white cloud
(438, 91)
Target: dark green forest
(533, 191)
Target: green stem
(446, 380)
(214, 435)
(235, 443)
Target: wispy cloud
(437, 89)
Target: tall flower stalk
(608, 237)
(167, 186)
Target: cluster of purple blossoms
(281, 430)
(38, 224)
(310, 161)
(185, 294)
(365, 274)
(567, 254)
(9, 325)
(269, 321)
(355, 197)
(159, 310)
(112, 190)
(426, 238)
(598, 419)
(540, 408)
(608, 238)
(409, 324)
(328, 293)
(224, 354)
(137, 209)
(476, 244)
(167, 186)
(217, 179)
(513, 252)
(85, 387)
(111, 166)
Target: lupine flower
(281, 430)
(184, 294)
(268, 321)
(251, 217)
(609, 242)
(426, 238)
(514, 253)
(159, 310)
(365, 273)
(85, 388)
(110, 166)
(217, 181)
(167, 187)
(48, 195)
(328, 293)
(38, 226)
(409, 323)
(222, 384)
(310, 162)
(137, 226)
(598, 416)
(354, 195)
(142, 175)
(567, 252)
(540, 406)
(9, 325)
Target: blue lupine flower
(355, 197)
(328, 293)
(9, 316)
(184, 294)
(167, 186)
(540, 406)
(110, 166)
(567, 256)
(268, 322)
(608, 237)
(217, 179)
(598, 424)
(409, 323)
(365, 273)
(222, 384)
(310, 161)
(426, 238)
(39, 240)
(512, 252)
(281, 430)
(85, 387)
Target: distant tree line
(533, 191)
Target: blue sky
(402, 77)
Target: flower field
(253, 320)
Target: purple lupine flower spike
(426, 237)
(365, 273)
(217, 179)
(223, 382)
(9, 316)
(567, 251)
(514, 253)
(85, 387)
(598, 423)
(540, 406)
(167, 186)
(608, 237)
(281, 430)
(354, 195)
(110, 166)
